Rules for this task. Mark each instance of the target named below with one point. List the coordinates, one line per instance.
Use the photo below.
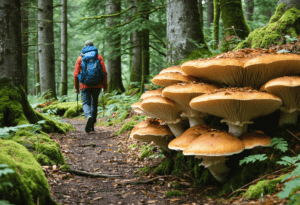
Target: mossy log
(281, 24)
(66, 109)
(28, 180)
(15, 110)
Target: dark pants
(89, 98)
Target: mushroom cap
(288, 89)
(151, 130)
(254, 139)
(215, 143)
(139, 110)
(183, 93)
(162, 108)
(149, 93)
(173, 69)
(221, 70)
(237, 105)
(165, 79)
(180, 143)
(261, 69)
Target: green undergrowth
(65, 109)
(28, 182)
(174, 193)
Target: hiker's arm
(104, 70)
(76, 72)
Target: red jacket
(78, 69)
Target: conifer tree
(46, 47)
(25, 33)
(64, 46)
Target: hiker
(90, 71)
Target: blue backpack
(91, 73)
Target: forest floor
(102, 152)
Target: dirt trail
(95, 153)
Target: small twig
(87, 145)
(258, 180)
(144, 182)
(292, 134)
(82, 173)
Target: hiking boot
(89, 124)
(92, 129)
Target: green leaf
(253, 158)
(279, 143)
(289, 186)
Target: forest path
(67, 188)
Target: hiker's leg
(86, 102)
(94, 104)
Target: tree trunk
(114, 41)
(37, 72)
(46, 48)
(24, 30)
(289, 3)
(216, 23)
(200, 8)
(137, 49)
(235, 25)
(210, 13)
(64, 49)
(183, 27)
(249, 9)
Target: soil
(101, 152)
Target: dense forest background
(86, 19)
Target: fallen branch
(82, 173)
(241, 188)
(144, 182)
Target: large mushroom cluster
(237, 86)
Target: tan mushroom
(150, 93)
(139, 110)
(166, 79)
(213, 147)
(255, 139)
(288, 89)
(166, 110)
(173, 69)
(181, 142)
(183, 93)
(238, 106)
(151, 130)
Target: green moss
(127, 126)
(174, 193)
(125, 115)
(175, 185)
(146, 151)
(280, 25)
(179, 165)
(44, 149)
(66, 109)
(195, 54)
(262, 187)
(109, 124)
(144, 170)
(29, 181)
(109, 102)
(164, 167)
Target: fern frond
(279, 143)
(253, 158)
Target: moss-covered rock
(262, 187)
(44, 149)
(29, 181)
(174, 193)
(66, 109)
(281, 24)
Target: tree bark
(64, 49)
(114, 41)
(235, 25)
(10, 41)
(24, 30)
(200, 8)
(37, 71)
(249, 9)
(46, 48)
(137, 49)
(183, 27)
(289, 3)
(216, 23)
(210, 13)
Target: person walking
(91, 72)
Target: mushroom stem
(288, 117)
(163, 144)
(220, 171)
(196, 121)
(176, 128)
(237, 130)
